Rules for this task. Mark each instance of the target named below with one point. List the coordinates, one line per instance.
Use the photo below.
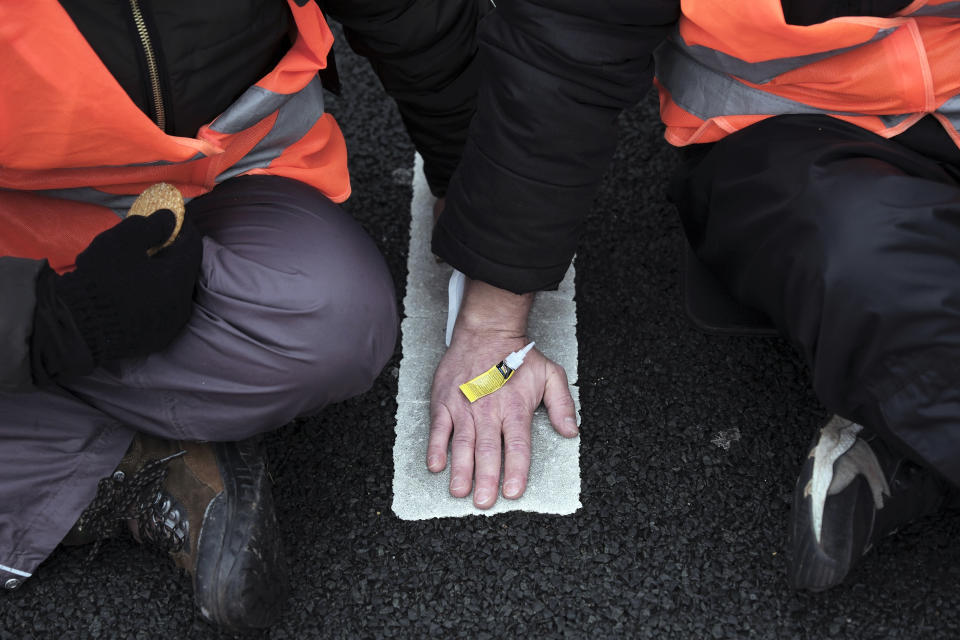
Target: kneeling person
(135, 377)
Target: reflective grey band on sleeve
(765, 70)
(18, 277)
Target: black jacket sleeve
(555, 74)
(18, 281)
(424, 53)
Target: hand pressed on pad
(491, 324)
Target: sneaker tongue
(836, 438)
(860, 460)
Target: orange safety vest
(732, 64)
(75, 150)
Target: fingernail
(511, 488)
(457, 484)
(571, 422)
(483, 496)
(433, 461)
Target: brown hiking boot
(208, 505)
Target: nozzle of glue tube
(494, 377)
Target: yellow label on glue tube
(494, 377)
(487, 382)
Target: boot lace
(163, 525)
(137, 496)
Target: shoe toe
(241, 578)
(819, 564)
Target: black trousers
(850, 243)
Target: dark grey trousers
(850, 243)
(295, 309)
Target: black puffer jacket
(555, 74)
(209, 52)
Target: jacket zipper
(159, 114)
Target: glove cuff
(58, 351)
(95, 318)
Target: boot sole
(847, 522)
(810, 568)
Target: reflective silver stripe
(710, 94)
(951, 109)
(892, 120)
(16, 572)
(764, 71)
(256, 104)
(946, 10)
(251, 107)
(297, 115)
(119, 203)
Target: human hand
(126, 300)
(492, 324)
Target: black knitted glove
(119, 302)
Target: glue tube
(495, 377)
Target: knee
(853, 270)
(308, 288)
(341, 327)
(351, 334)
(885, 285)
(862, 254)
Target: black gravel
(677, 538)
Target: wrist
(489, 309)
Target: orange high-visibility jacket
(733, 63)
(75, 150)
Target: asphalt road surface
(690, 448)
